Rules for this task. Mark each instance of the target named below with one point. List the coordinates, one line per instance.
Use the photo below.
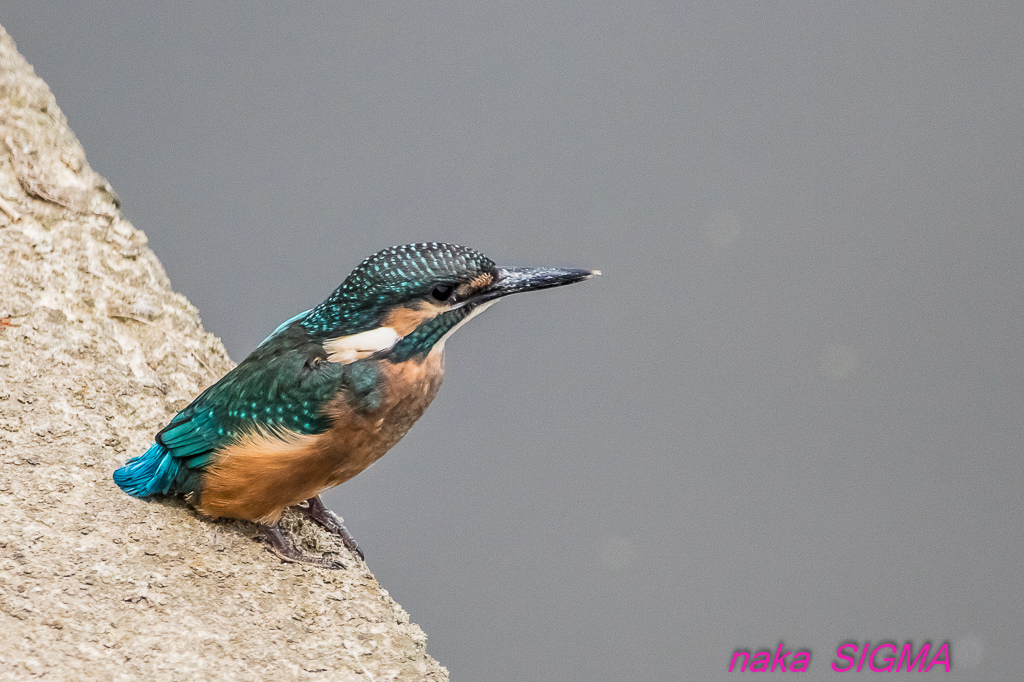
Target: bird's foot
(316, 510)
(283, 548)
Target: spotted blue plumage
(390, 277)
(285, 384)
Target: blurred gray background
(789, 410)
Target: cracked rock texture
(97, 353)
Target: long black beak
(515, 280)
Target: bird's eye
(442, 292)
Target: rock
(97, 352)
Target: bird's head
(409, 299)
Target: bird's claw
(288, 553)
(317, 511)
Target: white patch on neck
(348, 349)
(439, 346)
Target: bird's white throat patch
(348, 349)
(439, 346)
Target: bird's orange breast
(264, 472)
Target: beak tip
(595, 273)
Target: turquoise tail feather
(151, 473)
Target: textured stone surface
(96, 353)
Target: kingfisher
(328, 392)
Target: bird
(328, 393)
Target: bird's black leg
(316, 510)
(282, 547)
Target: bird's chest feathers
(366, 425)
(265, 470)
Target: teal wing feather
(281, 387)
